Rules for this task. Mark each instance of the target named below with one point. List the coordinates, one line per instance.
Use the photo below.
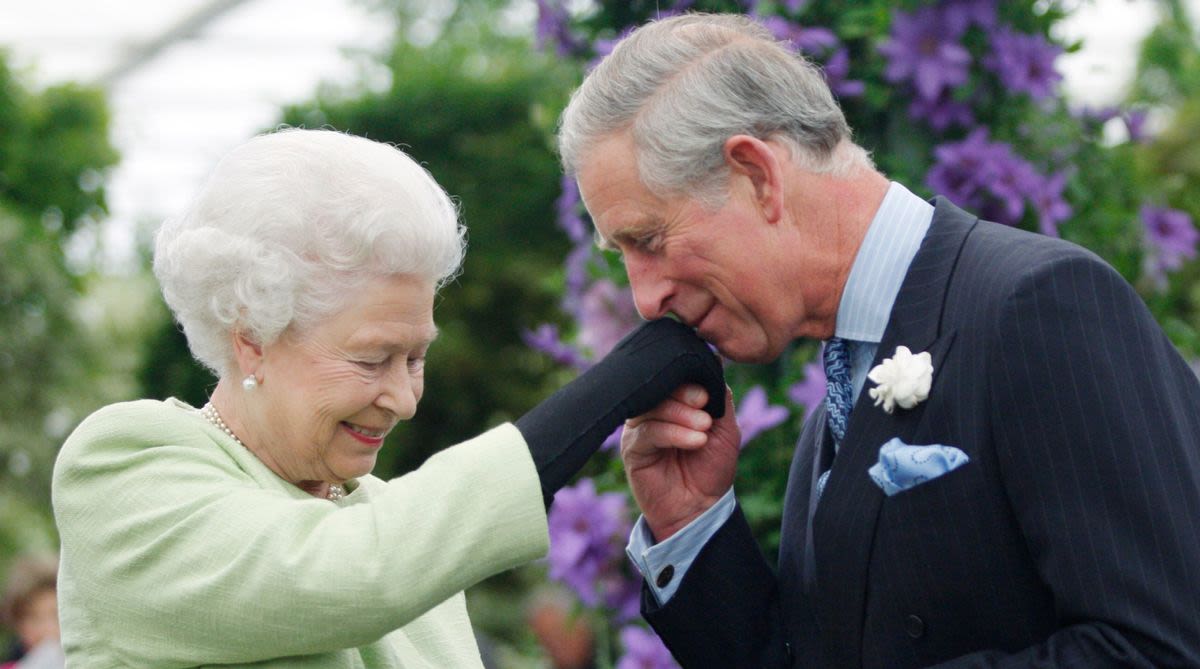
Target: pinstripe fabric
(1071, 538)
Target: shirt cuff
(664, 564)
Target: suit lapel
(844, 522)
(795, 553)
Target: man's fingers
(655, 435)
(691, 395)
(683, 408)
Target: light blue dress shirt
(887, 250)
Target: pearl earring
(249, 383)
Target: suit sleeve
(1097, 429)
(726, 611)
(183, 561)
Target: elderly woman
(249, 531)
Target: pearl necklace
(209, 412)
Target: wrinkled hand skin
(679, 460)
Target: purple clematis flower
(810, 392)
(1048, 202)
(604, 46)
(837, 72)
(925, 49)
(987, 177)
(553, 25)
(567, 207)
(613, 441)
(587, 533)
(961, 14)
(644, 650)
(756, 416)
(961, 167)
(811, 41)
(606, 313)
(1012, 180)
(622, 594)
(1024, 63)
(1135, 124)
(816, 43)
(1172, 236)
(577, 278)
(1097, 115)
(942, 113)
(545, 339)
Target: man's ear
(756, 160)
(248, 353)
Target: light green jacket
(181, 549)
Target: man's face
(709, 267)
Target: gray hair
(287, 225)
(686, 84)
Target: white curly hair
(287, 225)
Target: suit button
(665, 576)
(787, 651)
(914, 626)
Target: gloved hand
(640, 372)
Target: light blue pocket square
(901, 466)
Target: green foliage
(36, 298)
(54, 149)
(1168, 69)
(168, 369)
(1168, 82)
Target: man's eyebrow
(603, 242)
(626, 235)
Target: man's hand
(641, 371)
(679, 460)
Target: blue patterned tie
(839, 396)
(839, 391)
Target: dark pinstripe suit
(1070, 539)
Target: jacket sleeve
(726, 611)
(182, 560)
(1097, 431)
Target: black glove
(640, 372)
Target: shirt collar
(888, 248)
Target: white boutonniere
(903, 379)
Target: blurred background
(111, 115)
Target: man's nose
(651, 292)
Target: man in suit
(1061, 527)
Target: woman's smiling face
(329, 395)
